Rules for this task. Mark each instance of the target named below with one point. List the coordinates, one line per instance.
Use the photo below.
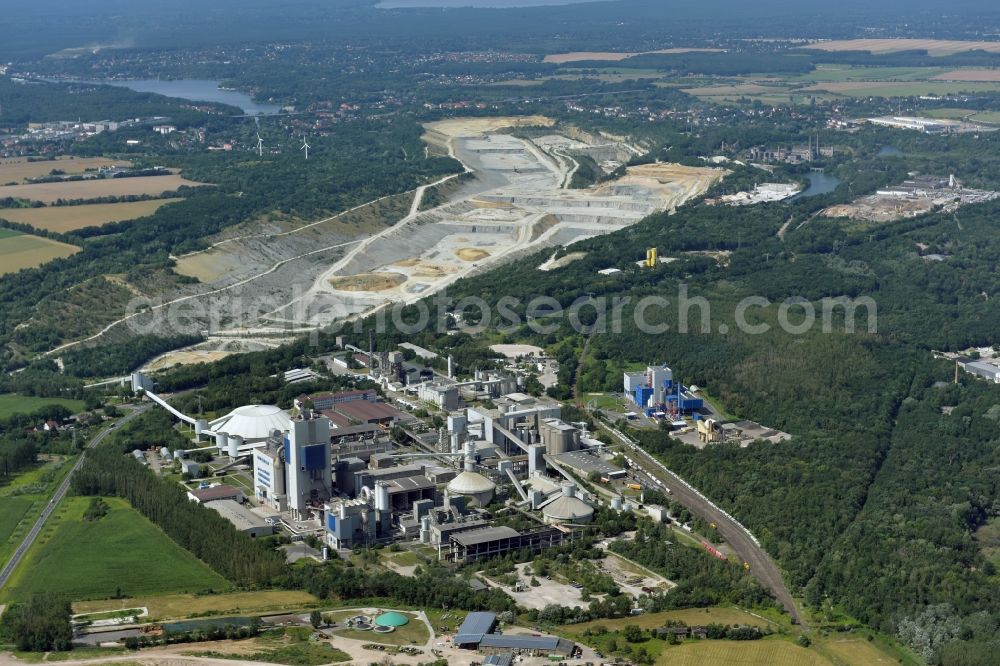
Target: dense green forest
(40, 623)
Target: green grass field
(12, 403)
(825, 73)
(18, 250)
(414, 633)
(23, 498)
(12, 512)
(93, 559)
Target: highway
(739, 538)
(58, 496)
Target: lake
(196, 90)
(819, 183)
(475, 4)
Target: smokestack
(451, 370)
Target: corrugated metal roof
(519, 642)
(474, 627)
(485, 535)
(499, 660)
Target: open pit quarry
(278, 281)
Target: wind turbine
(260, 146)
(305, 146)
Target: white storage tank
(568, 508)
(221, 441)
(382, 497)
(235, 442)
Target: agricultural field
(19, 250)
(181, 606)
(92, 189)
(64, 219)
(19, 170)
(773, 652)
(934, 47)
(900, 89)
(120, 552)
(615, 56)
(831, 73)
(12, 403)
(856, 652)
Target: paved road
(58, 496)
(738, 537)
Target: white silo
(200, 426)
(235, 442)
(470, 456)
(222, 441)
(425, 529)
(382, 497)
(616, 503)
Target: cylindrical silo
(235, 442)
(381, 497)
(221, 441)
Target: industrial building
(242, 518)
(472, 545)
(655, 392)
(219, 491)
(442, 396)
(339, 476)
(321, 402)
(983, 369)
(292, 472)
(479, 632)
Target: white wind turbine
(260, 146)
(305, 146)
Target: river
(195, 90)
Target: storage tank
(425, 529)
(382, 497)
(617, 503)
(165, 452)
(475, 487)
(200, 426)
(568, 508)
(221, 441)
(235, 442)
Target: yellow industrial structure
(651, 259)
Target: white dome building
(254, 423)
(567, 508)
(473, 485)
